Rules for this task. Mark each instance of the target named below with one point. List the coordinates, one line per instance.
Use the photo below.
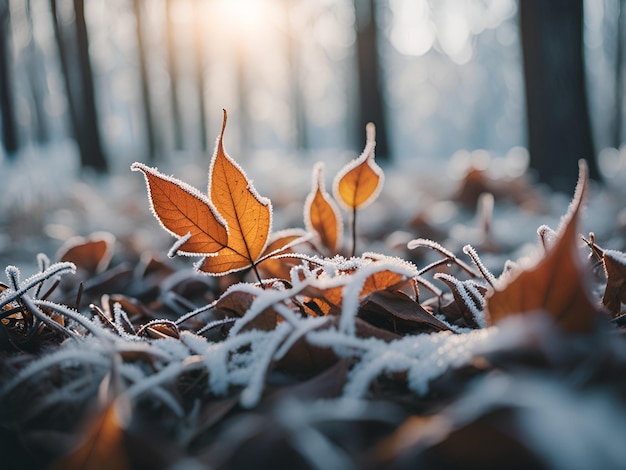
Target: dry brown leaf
(236, 303)
(359, 182)
(556, 284)
(615, 291)
(91, 254)
(321, 214)
(399, 313)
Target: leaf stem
(258, 276)
(353, 231)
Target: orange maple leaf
(321, 214)
(556, 284)
(359, 182)
(248, 216)
(229, 227)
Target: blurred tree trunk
(297, 102)
(67, 75)
(153, 144)
(78, 79)
(246, 139)
(94, 155)
(37, 81)
(198, 47)
(618, 117)
(371, 100)
(10, 139)
(559, 131)
(173, 73)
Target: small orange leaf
(321, 214)
(280, 242)
(381, 280)
(556, 284)
(328, 301)
(323, 301)
(359, 182)
(185, 213)
(102, 447)
(248, 216)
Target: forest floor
(474, 327)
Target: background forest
(136, 79)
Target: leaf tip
(318, 177)
(370, 132)
(136, 166)
(224, 120)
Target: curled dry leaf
(91, 254)
(248, 216)
(321, 214)
(615, 292)
(359, 182)
(556, 284)
(159, 329)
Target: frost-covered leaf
(557, 283)
(321, 214)
(230, 227)
(248, 216)
(359, 182)
(328, 300)
(185, 213)
(280, 243)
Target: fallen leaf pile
(292, 349)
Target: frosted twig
(92, 356)
(469, 300)
(13, 275)
(251, 395)
(36, 311)
(471, 252)
(91, 326)
(433, 245)
(195, 312)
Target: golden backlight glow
(244, 17)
